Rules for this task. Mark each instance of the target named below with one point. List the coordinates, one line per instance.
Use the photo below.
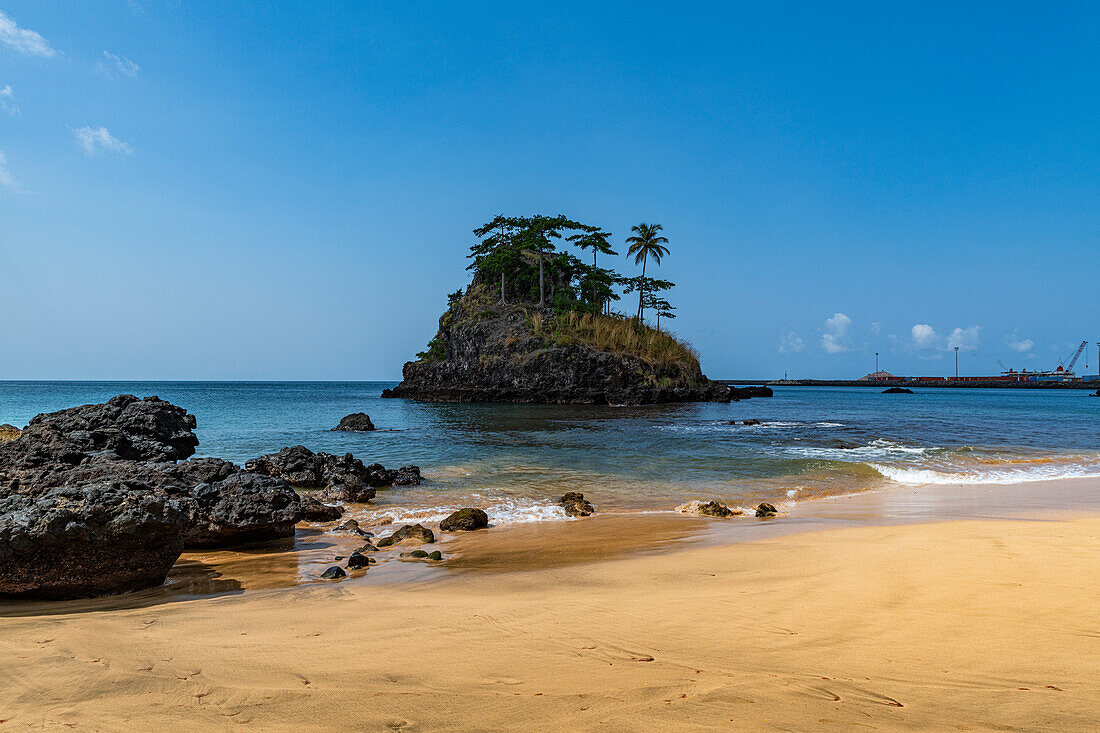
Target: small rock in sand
(352, 527)
(576, 505)
(357, 561)
(333, 573)
(465, 520)
(764, 509)
(413, 531)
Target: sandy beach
(842, 615)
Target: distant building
(882, 376)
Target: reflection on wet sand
(555, 544)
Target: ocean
(516, 460)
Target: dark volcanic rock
(356, 422)
(91, 474)
(435, 555)
(465, 520)
(576, 505)
(408, 532)
(334, 573)
(492, 353)
(232, 506)
(714, 509)
(222, 504)
(123, 428)
(764, 509)
(897, 390)
(357, 561)
(315, 511)
(747, 393)
(752, 421)
(78, 542)
(344, 478)
(368, 547)
(9, 432)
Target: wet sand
(859, 612)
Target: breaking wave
(1016, 475)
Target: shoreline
(862, 614)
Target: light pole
(956, 363)
(876, 360)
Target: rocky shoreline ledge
(103, 498)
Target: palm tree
(595, 238)
(646, 243)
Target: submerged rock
(415, 554)
(576, 505)
(334, 573)
(9, 432)
(897, 390)
(315, 511)
(764, 509)
(747, 393)
(352, 527)
(368, 547)
(343, 478)
(407, 532)
(751, 421)
(358, 422)
(714, 509)
(465, 520)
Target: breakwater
(940, 383)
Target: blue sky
(261, 190)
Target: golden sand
(968, 625)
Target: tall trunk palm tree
(646, 243)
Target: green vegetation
(520, 252)
(519, 256)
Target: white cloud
(876, 328)
(965, 339)
(23, 40)
(835, 338)
(7, 100)
(5, 177)
(926, 338)
(125, 66)
(791, 343)
(89, 138)
(1019, 345)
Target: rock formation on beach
(101, 499)
(9, 432)
(340, 478)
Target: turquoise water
(514, 460)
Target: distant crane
(1076, 356)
